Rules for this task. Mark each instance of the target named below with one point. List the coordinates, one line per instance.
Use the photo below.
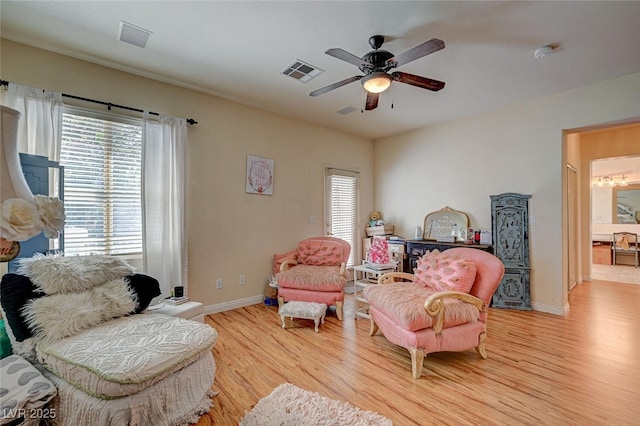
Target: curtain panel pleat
(163, 192)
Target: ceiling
(629, 167)
(238, 49)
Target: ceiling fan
(376, 66)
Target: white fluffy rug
(288, 405)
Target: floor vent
(302, 71)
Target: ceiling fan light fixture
(376, 82)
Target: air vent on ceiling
(346, 110)
(302, 71)
(133, 35)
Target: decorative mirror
(444, 223)
(626, 206)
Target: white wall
(230, 233)
(516, 149)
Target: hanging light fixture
(609, 180)
(376, 82)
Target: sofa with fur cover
(82, 321)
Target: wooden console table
(417, 248)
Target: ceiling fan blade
(372, 101)
(418, 51)
(335, 85)
(347, 57)
(416, 80)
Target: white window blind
(342, 207)
(101, 156)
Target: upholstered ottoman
(305, 310)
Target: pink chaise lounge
(443, 307)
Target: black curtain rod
(109, 105)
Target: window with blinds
(102, 156)
(342, 207)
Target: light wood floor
(543, 369)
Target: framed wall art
(259, 175)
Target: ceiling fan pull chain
(393, 95)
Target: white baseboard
(550, 309)
(234, 304)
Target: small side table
(364, 276)
(193, 311)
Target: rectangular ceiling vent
(302, 71)
(133, 35)
(346, 110)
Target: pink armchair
(314, 272)
(442, 307)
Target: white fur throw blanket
(55, 274)
(61, 315)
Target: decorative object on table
(510, 231)
(379, 251)
(418, 234)
(178, 291)
(374, 217)
(378, 226)
(259, 178)
(303, 310)
(176, 300)
(22, 215)
(485, 236)
(445, 225)
(470, 236)
(291, 405)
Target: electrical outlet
(219, 283)
(242, 280)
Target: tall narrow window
(101, 155)
(341, 205)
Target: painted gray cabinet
(510, 234)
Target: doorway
(572, 226)
(591, 146)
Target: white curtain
(40, 124)
(163, 200)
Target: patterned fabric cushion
(319, 252)
(442, 272)
(128, 354)
(404, 304)
(22, 388)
